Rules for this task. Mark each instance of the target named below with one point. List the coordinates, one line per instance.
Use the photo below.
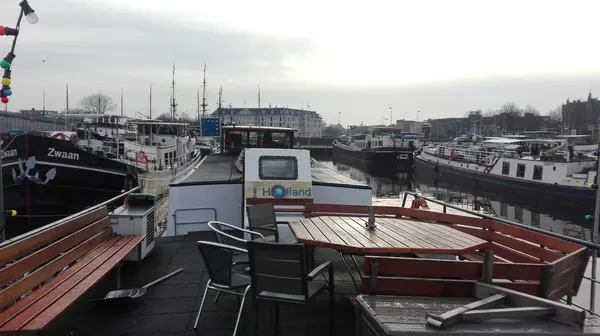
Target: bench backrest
(28, 263)
(443, 278)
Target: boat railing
(470, 154)
(592, 246)
(108, 203)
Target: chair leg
(255, 316)
(306, 319)
(276, 315)
(331, 301)
(217, 297)
(237, 322)
(202, 305)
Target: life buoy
(60, 136)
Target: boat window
(505, 168)
(520, 170)
(278, 168)
(537, 172)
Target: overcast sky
(441, 58)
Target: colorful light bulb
(588, 217)
(8, 31)
(4, 100)
(29, 12)
(7, 61)
(6, 80)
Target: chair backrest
(218, 259)
(278, 268)
(227, 238)
(260, 215)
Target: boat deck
(170, 307)
(221, 169)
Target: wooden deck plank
(442, 234)
(407, 241)
(326, 230)
(30, 299)
(314, 230)
(376, 236)
(300, 230)
(344, 236)
(61, 285)
(66, 300)
(457, 235)
(367, 239)
(396, 227)
(421, 229)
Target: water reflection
(557, 220)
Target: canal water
(567, 221)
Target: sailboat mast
(220, 97)
(121, 102)
(173, 104)
(204, 105)
(198, 103)
(67, 109)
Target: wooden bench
(43, 274)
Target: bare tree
(165, 117)
(97, 103)
(183, 116)
(555, 114)
(510, 109)
(531, 110)
(490, 113)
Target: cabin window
(520, 170)
(537, 172)
(505, 168)
(278, 167)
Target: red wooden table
(350, 236)
(391, 236)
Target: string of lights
(7, 61)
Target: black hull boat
(520, 191)
(48, 178)
(385, 162)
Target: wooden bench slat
(82, 287)
(25, 284)
(14, 271)
(23, 304)
(30, 244)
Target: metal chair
(230, 239)
(222, 278)
(279, 275)
(225, 238)
(262, 218)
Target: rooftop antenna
(198, 103)
(121, 102)
(220, 97)
(173, 103)
(258, 86)
(204, 105)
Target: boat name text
(52, 152)
(9, 153)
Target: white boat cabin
(551, 161)
(222, 185)
(381, 138)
